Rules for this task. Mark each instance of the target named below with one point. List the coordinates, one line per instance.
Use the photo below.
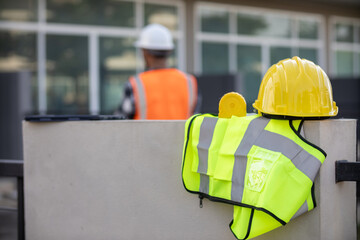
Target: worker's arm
(127, 106)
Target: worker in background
(159, 92)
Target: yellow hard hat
(298, 88)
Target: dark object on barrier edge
(15, 168)
(347, 171)
(11, 168)
(61, 118)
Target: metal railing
(15, 168)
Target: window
(308, 29)
(278, 35)
(215, 57)
(344, 32)
(162, 14)
(249, 65)
(345, 46)
(266, 25)
(246, 41)
(67, 74)
(214, 21)
(309, 54)
(117, 63)
(82, 51)
(344, 63)
(173, 58)
(18, 54)
(105, 12)
(19, 10)
(279, 53)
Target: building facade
(79, 53)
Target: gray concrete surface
(122, 180)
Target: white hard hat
(155, 37)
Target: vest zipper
(201, 197)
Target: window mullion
(94, 73)
(41, 57)
(139, 15)
(232, 44)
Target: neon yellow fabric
(235, 131)
(191, 179)
(274, 189)
(282, 127)
(261, 223)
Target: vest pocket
(224, 169)
(260, 161)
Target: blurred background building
(79, 52)
(73, 56)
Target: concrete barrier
(122, 180)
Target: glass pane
(278, 26)
(249, 24)
(264, 25)
(344, 64)
(344, 32)
(67, 74)
(215, 58)
(8, 224)
(173, 58)
(117, 64)
(164, 15)
(18, 54)
(8, 203)
(249, 67)
(19, 10)
(279, 53)
(106, 12)
(308, 29)
(214, 21)
(309, 54)
(8, 193)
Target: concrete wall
(122, 180)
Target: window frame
(93, 32)
(233, 38)
(353, 47)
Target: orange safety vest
(164, 94)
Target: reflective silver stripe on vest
(204, 184)
(206, 134)
(191, 93)
(304, 161)
(141, 93)
(255, 134)
(303, 209)
(254, 129)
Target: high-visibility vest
(262, 166)
(164, 94)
